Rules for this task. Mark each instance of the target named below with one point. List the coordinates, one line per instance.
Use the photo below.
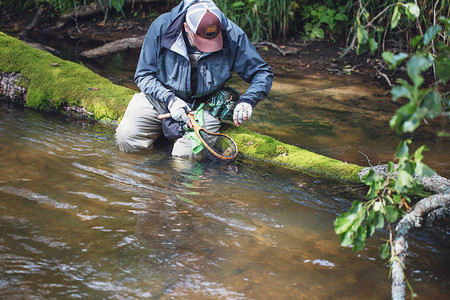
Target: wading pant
(140, 127)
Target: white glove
(178, 109)
(242, 112)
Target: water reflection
(79, 219)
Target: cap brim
(209, 45)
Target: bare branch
(435, 207)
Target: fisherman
(187, 57)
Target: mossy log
(51, 83)
(44, 81)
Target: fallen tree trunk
(426, 212)
(44, 81)
(113, 47)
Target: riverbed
(80, 219)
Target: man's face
(190, 35)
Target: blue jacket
(164, 71)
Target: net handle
(197, 128)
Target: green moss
(262, 147)
(53, 82)
(38, 99)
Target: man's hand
(242, 112)
(178, 110)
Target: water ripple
(41, 199)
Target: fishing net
(218, 146)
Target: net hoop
(197, 128)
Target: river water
(80, 219)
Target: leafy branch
(387, 197)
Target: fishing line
(318, 89)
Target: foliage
(329, 17)
(387, 197)
(261, 19)
(61, 6)
(378, 26)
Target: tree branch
(435, 183)
(425, 212)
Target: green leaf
(395, 17)
(394, 60)
(389, 198)
(392, 213)
(401, 116)
(402, 149)
(344, 222)
(384, 251)
(418, 156)
(446, 22)
(369, 178)
(413, 121)
(388, 56)
(370, 223)
(317, 33)
(432, 104)
(397, 198)
(373, 45)
(416, 40)
(443, 63)
(404, 181)
(423, 170)
(390, 167)
(360, 241)
(362, 35)
(340, 17)
(374, 220)
(431, 33)
(400, 91)
(406, 164)
(356, 207)
(379, 219)
(412, 11)
(374, 182)
(415, 66)
(117, 4)
(346, 238)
